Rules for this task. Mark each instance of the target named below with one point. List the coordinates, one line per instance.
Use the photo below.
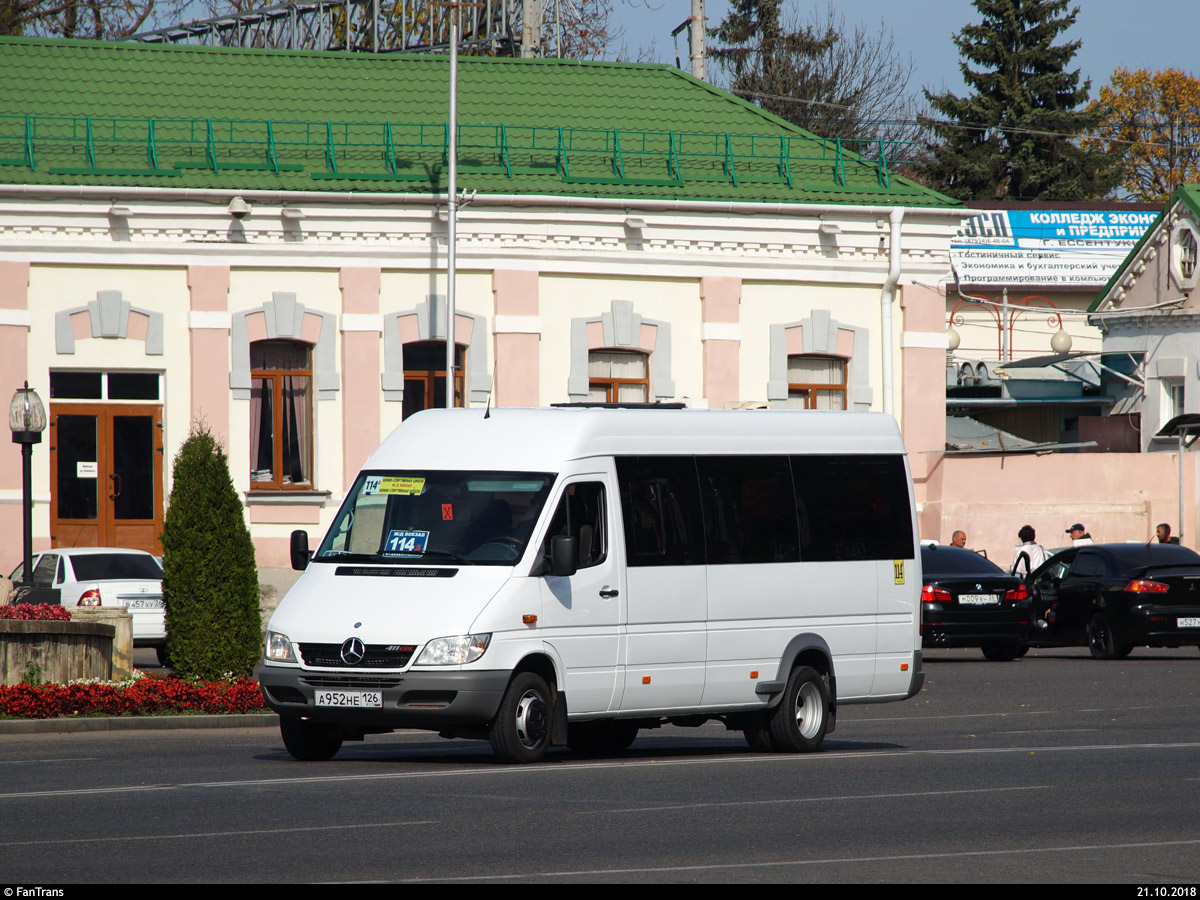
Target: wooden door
(106, 476)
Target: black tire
(607, 736)
(798, 723)
(1022, 650)
(1102, 642)
(521, 730)
(310, 741)
(163, 659)
(758, 736)
(581, 737)
(1002, 651)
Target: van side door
(581, 613)
(755, 580)
(667, 605)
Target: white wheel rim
(809, 710)
(531, 720)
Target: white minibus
(571, 575)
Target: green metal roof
(96, 113)
(1189, 196)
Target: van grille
(352, 682)
(378, 656)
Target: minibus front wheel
(310, 741)
(521, 730)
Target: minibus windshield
(454, 517)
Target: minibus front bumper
(412, 699)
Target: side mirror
(564, 555)
(300, 552)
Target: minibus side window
(660, 500)
(580, 514)
(852, 508)
(749, 509)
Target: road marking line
(636, 809)
(125, 838)
(831, 861)
(847, 719)
(571, 767)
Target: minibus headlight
(279, 648)
(454, 651)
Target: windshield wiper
(447, 554)
(345, 555)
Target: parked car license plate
(148, 603)
(1191, 622)
(978, 599)
(348, 698)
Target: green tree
(1017, 136)
(210, 580)
(819, 75)
(763, 58)
(1150, 121)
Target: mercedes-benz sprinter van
(538, 577)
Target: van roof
(543, 439)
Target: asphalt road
(1053, 768)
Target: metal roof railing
(418, 152)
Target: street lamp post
(27, 421)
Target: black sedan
(1114, 597)
(967, 601)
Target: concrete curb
(136, 723)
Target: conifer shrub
(210, 580)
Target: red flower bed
(144, 697)
(38, 611)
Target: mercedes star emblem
(353, 651)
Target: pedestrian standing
(1029, 553)
(1163, 532)
(1079, 535)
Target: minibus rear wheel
(799, 722)
(310, 741)
(521, 731)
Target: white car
(107, 576)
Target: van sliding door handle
(608, 593)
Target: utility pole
(531, 29)
(698, 41)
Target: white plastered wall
(402, 291)
(772, 303)
(318, 291)
(672, 300)
(57, 288)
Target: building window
(1187, 254)
(618, 376)
(425, 376)
(1175, 398)
(816, 382)
(281, 427)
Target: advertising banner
(1045, 247)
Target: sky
(1136, 34)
